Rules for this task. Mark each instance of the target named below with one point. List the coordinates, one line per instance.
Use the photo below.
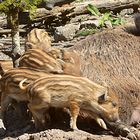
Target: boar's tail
(21, 84)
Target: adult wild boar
(113, 57)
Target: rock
(81, 18)
(67, 32)
(126, 11)
(51, 3)
(90, 24)
(108, 24)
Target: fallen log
(8, 31)
(81, 8)
(8, 41)
(112, 5)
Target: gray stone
(127, 11)
(89, 24)
(67, 32)
(51, 3)
(108, 24)
(81, 18)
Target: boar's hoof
(131, 136)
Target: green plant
(85, 32)
(117, 21)
(107, 16)
(93, 9)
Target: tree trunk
(16, 50)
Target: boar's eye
(114, 103)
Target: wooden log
(106, 5)
(8, 31)
(81, 8)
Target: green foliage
(103, 17)
(93, 9)
(117, 20)
(87, 31)
(107, 16)
(9, 5)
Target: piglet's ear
(102, 98)
(61, 61)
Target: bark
(14, 23)
(112, 5)
(8, 41)
(8, 31)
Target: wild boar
(5, 65)
(52, 60)
(38, 59)
(72, 65)
(75, 93)
(113, 56)
(9, 89)
(38, 38)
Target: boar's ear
(61, 61)
(102, 98)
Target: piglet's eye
(114, 103)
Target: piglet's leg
(37, 116)
(74, 111)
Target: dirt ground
(20, 128)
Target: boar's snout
(114, 117)
(135, 117)
(110, 113)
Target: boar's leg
(124, 130)
(74, 111)
(38, 116)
